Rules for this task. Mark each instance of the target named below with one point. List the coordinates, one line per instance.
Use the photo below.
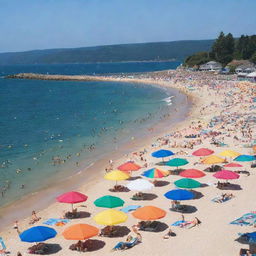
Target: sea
(52, 129)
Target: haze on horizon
(45, 24)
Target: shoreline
(221, 105)
(31, 200)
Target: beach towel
(247, 219)
(57, 222)
(130, 208)
(218, 199)
(179, 223)
(2, 243)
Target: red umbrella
(203, 152)
(192, 173)
(226, 175)
(72, 197)
(129, 167)
(233, 165)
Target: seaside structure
(211, 66)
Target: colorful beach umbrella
(149, 213)
(80, 232)
(109, 202)
(235, 165)
(140, 185)
(72, 197)
(162, 153)
(179, 194)
(212, 160)
(229, 153)
(177, 162)
(249, 238)
(129, 167)
(203, 152)
(110, 217)
(226, 175)
(187, 183)
(116, 175)
(154, 173)
(37, 234)
(192, 173)
(245, 158)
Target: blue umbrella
(179, 194)
(37, 234)
(162, 153)
(249, 238)
(245, 158)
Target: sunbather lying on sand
(34, 218)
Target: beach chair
(126, 245)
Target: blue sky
(43, 24)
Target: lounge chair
(126, 245)
(179, 208)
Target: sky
(44, 24)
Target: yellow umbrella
(213, 160)
(116, 175)
(229, 153)
(110, 217)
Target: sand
(215, 236)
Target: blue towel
(177, 223)
(2, 243)
(130, 208)
(53, 221)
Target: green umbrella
(109, 202)
(177, 162)
(187, 183)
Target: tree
(197, 59)
(223, 48)
(253, 58)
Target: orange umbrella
(129, 167)
(149, 213)
(80, 232)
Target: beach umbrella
(109, 202)
(140, 185)
(203, 152)
(116, 175)
(212, 160)
(249, 238)
(235, 165)
(245, 158)
(187, 183)
(37, 234)
(129, 167)
(162, 153)
(229, 153)
(177, 162)
(154, 173)
(192, 173)
(110, 217)
(72, 197)
(149, 213)
(179, 194)
(80, 232)
(226, 175)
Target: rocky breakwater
(55, 77)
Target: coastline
(16, 209)
(211, 97)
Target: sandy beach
(222, 118)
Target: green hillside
(176, 50)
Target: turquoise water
(51, 129)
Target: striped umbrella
(155, 173)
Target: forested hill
(176, 50)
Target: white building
(211, 66)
